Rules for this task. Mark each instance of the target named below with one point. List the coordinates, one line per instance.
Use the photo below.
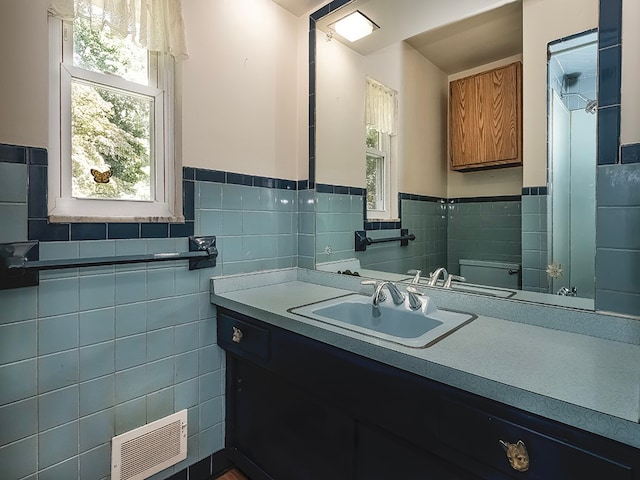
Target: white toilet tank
(489, 272)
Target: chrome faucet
(378, 294)
(435, 276)
(396, 295)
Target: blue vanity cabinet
(300, 409)
(285, 431)
(274, 428)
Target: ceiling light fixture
(354, 26)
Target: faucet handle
(417, 273)
(414, 297)
(414, 290)
(451, 278)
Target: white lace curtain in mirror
(154, 24)
(381, 108)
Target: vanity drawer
(242, 337)
(478, 434)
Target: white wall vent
(146, 450)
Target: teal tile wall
(338, 216)
(617, 175)
(534, 243)
(489, 230)
(13, 202)
(101, 354)
(306, 228)
(445, 232)
(618, 238)
(256, 228)
(93, 352)
(427, 220)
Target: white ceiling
(474, 41)
(454, 46)
(578, 55)
(300, 7)
(454, 35)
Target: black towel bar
(361, 239)
(20, 264)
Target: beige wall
(248, 57)
(239, 107)
(23, 75)
(239, 96)
(340, 92)
(423, 122)
(340, 133)
(630, 121)
(422, 138)
(544, 21)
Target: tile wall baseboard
(630, 153)
(534, 190)
(205, 469)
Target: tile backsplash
(484, 229)
(535, 240)
(92, 352)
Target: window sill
(381, 219)
(99, 219)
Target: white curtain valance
(155, 24)
(381, 107)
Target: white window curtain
(381, 107)
(154, 24)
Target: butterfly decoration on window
(101, 177)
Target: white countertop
(587, 382)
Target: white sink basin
(395, 323)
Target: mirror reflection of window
(381, 118)
(377, 176)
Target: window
(381, 119)
(111, 142)
(378, 175)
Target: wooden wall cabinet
(485, 119)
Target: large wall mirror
(524, 232)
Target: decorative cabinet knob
(237, 335)
(517, 455)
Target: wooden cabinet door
(465, 136)
(485, 119)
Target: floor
(233, 474)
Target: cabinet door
(477, 434)
(464, 135)
(286, 432)
(497, 119)
(383, 456)
(485, 125)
